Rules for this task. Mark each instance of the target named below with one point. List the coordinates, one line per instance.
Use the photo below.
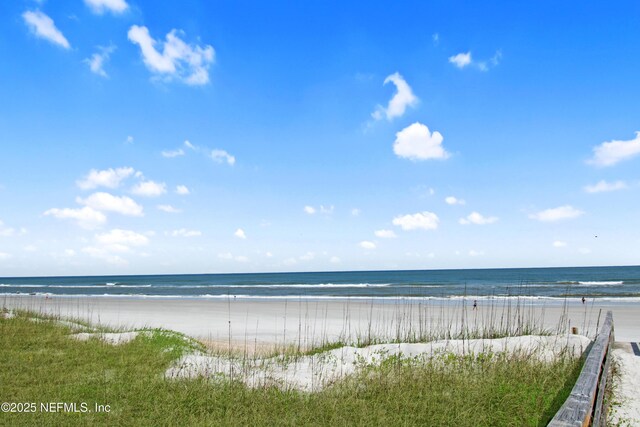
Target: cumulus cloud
(310, 210)
(416, 142)
(230, 257)
(451, 200)
(178, 60)
(402, 99)
(604, 186)
(557, 214)
(101, 6)
(221, 156)
(421, 220)
(365, 244)
(107, 202)
(355, 212)
(385, 234)
(5, 256)
(478, 219)
(120, 240)
(461, 60)
(183, 232)
(240, 234)
(129, 139)
(559, 244)
(149, 189)
(172, 153)
(335, 260)
(85, 217)
(611, 152)
(182, 190)
(10, 231)
(110, 178)
(43, 27)
(189, 145)
(98, 59)
(307, 257)
(168, 209)
(475, 253)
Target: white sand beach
(302, 322)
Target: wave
(453, 298)
(95, 286)
(603, 283)
(3, 285)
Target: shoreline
(296, 321)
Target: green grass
(39, 363)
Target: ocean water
(608, 283)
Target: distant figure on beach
(583, 300)
(475, 304)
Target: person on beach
(583, 300)
(475, 304)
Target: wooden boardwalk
(585, 405)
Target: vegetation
(39, 363)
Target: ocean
(620, 284)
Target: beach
(309, 322)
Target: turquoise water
(610, 283)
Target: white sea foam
(603, 283)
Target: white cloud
(475, 253)
(421, 220)
(307, 257)
(612, 152)
(106, 254)
(451, 200)
(557, 214)
(101, 6)
(229, 256)
(188, 63)
(402, 99)
(30, 248)
(604, 186)
(584, 251)
(168, 209)
(221, 156)
(385, 234)
(98, 59)
(149, 189)
(189, 145)
(129, 139)
(365, 244)
(355, 212)
(478, 219)
(119, 240)
(182, 190)
(335, 260)
(5, 256)
(240, 234)
(436, 38)
(461, 60)
(559, 244)
(42, 26)
(109, 178)
(10, 231)
(107, 202)
(85, 217)
(416, 142)
(326, 209)
(183, 232)
(172, 153)
(309, 210)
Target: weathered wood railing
(585, 405)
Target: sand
(313, 373)
(256, 323)
(626, 408)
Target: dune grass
(40, 363)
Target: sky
(141, 137)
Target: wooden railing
(585, 405)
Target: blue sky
(197, 137)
